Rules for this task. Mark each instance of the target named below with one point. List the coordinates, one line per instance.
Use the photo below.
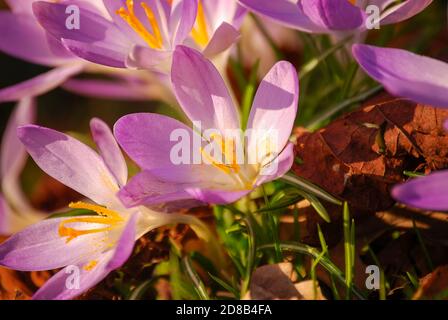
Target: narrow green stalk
(225, 286)
(195, 279)
(383, 286)
(349, 80)
(347, 250)
(324, 262)
(273, 228)
(384, 283)
(423, 246)
(298, 261)
(238, 73)
(323, 244)
(252, 250)
(309, 187)
(311, 65)
(413, 279)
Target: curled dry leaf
(277, 282)
(434, 285)
(361, 155)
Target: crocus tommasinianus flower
(16, 212)
(143, 33)
(405, 74)
(24, 38)
(204, 98)
(94, 245)
(329, 16)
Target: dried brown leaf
(361, 155)
(277, 282)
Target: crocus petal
(406, 74)
(280, 166)
(220, 11)
(201, 91)
(274, 108)
(429, 193)
(404, 11)
(97, 40)
(20, 6)
(216, 196)
(70, 162)
(125, 244)
(186, 18)
(334, 14)
(13, 154)
(74, 279)
(150, 59)
(285, 12)
(100, 53)
(4, 216)
(150, 138)
(24, 38)
(225, 36)
(40, 84)
(40, 247)
(146, 189)
(109, 150)
(11, 221)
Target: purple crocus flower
(330, 16)
(92, 245)
(143, 34)
(405, 74)
(15, 211)
(202, 94)
(24, 38)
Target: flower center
(199, 32)
(230, 164)
(228, 151)
(105, 217)
(154, 40)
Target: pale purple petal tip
(40, 84)
(201, 91)
(406, 74)
(109, 150)
(334, 14)
(429, 193)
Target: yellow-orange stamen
(92, 264)
(105, 217)
(228, 150)
(155, 40)
(199, 32)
